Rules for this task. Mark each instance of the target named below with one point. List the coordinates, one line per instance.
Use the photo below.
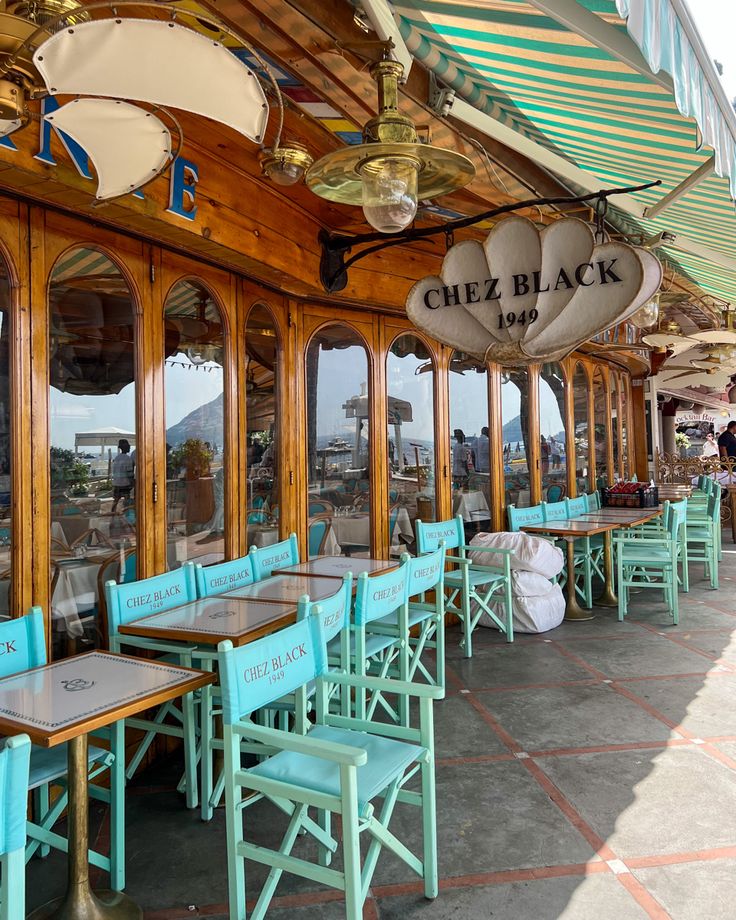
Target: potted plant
(682, 442)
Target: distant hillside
(204, 423)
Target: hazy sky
(716, 21)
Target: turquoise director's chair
(14, 772)
(335, 611)
(48, 766)
(277, 556)
(132, 601)
(341, 765)
(471, 583)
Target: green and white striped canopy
(528, 65)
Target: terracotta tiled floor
(588, 774)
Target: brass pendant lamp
(390, 171)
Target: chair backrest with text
(224, 576)
(260, 672)
(147, 596)
(430, 535)
(22, 643)
(277, 556)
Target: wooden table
(64, 701)
(338, 566)
(604, 520)
(211, 620)
(570, 530)
(287, 589)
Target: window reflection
(410, 386)
(601, 424)
(470, 442)
(515, 435)
(613, 377)
(624, 426)
(6, 529)
(552, 455)
(262, 351)
(195, 438)
(93, 442)
(582, 430)
(338, 437)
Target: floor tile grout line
(643, 897)
(681, 643)
(591, 681)
(565, 652)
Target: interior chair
(320, 506)
(48, 766)
(318, 532)
(277, 556)
(14, 780)
(555, 493)
(341, 765)
(471, 586)
(642, 557)
(132, 601)
(119, 566)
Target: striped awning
(621, 90)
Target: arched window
(515, 435)
(93, 435)
(195, 436)
(602, 426)
(582, 430)
(338, 439)
(552, 432)
(470, 444)
(262, 413)
(410, 390)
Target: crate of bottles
(630, 495)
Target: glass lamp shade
(648, 316)
(390, 192)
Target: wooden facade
(33, 239)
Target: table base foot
(578, 613)
(85, 904)
(607, 599)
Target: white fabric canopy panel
(8, 125)
(162, 63)
(127, 145)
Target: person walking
(123, 474)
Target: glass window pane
(515, 420)
(624, 426)
(338, 404)
(410, 386)
(6, 529)
(582, 430)
(263, 353)
(601, 427)
(613, 377)
(93, 442)
(470, 443)
(195, 462)
(552, 456)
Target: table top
(572, 527)
(213, 619)
(74, 696)
(287, 589)
(632, 518)
(337, 566)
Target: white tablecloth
(471, 506)
(355, 529)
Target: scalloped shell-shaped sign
(525, 296)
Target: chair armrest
(488, 549)
(386, 685)
(303, 744)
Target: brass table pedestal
(80, 902)
(608, 598)
(573, 610)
